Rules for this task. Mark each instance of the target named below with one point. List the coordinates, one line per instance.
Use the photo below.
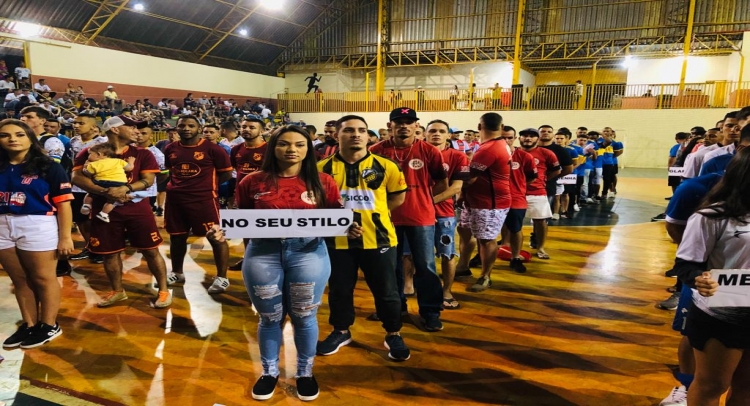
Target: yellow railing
(718, 94)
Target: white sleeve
(689, 166)
(699, 239)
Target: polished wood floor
(579, 329)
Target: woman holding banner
(717, 237)
(287, 275)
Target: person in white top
(7, 83)
(22, 72)
(42, 87)
(265, 113)
(731, 136)
(695, 160)
(716, 238)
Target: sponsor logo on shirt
(416, 164)
(26, 179)
(446, 167)
(186, 170)
(536, 161)
(358, 199)
(257, 157)
(308, 198)
(515, 165)
(198, 155)
(478, 166)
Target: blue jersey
(688, 196)
(33, 194)
(716, 165)
(606, 152)
(576, 153)
(599, 161)
(616, 146)
(675, 150)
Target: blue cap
(455, 130)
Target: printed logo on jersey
(514, 165)
(358, 199)
(65, 186)
(257, 157)
(198, 155)
(258, 195)
(416, 164)
(17, 199)
(247, 168)
(94, 242)
(373, 177)
(478, 166)
(446, 167)
(26, 179)
(308, 198)
(536, 161)
(186, 170)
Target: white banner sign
(677, 171)
(285, 223)
(568, 180)
(734, 288)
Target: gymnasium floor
(579, 329)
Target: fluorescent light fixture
(273, 4)
(243, 32)
(139, 7)
(27, 29)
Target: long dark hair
(36, 161)
(730, 198)
(309, 170)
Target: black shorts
(514, 220)
(617, 169)
(162, 186)
(674, 181)
(231, 185)
(76, 205)
(570, 190)
(701, 327)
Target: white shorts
(28, 232)
(538, 207)
(485, 224)
(559, 189)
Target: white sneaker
(556, 216)
(678, 397)
(86, 209)
(220, 285)
(175, 279)
(590, 200)
(576, 208)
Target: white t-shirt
(4, 84)
(695, 160)
(722, 244)
(265, 113)
(160, 161)
(41, 88)
(725, 150)
(22, 73)
(10, 97)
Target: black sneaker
(307, 388)
(659, 217)
(432, 323)
(96, 258)
(159, 212)
(237, 266)
(333, 342)
(517, 265)
(41, 334)
(81, 255)
(671, 273)
(17, 338)
(463, 274)
(264, 388)
(397, 350)
(532, 241)
(475, 262)
(63, 267)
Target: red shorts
(138, 226)
(198, 217)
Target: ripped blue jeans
(287, 276)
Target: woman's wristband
(130, 188)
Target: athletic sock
(685, 379)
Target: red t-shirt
(491, 190)
(254, 192)
(193, 170)
(456, 166)
(144, 163)
(522, 167)
(247, 160)
(422, 165)
(546, 161)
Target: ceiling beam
(231, 21)
(107, 11)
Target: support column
(518, 48)
(383, 39)
(686, 46)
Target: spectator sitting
(203, 101)
(26, 92)
(110, 97)
(11, 99)
(42, 87)
(188, 100)
(7, 85)
(3, 68)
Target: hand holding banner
(734, 288)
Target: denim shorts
(445, 237)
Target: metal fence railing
(718, 94)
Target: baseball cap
(455, 130)
(121, 120)
(372, 133)
(110, 87)
(331, 123)
(403, 112)
(529, 131)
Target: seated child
(107, 171)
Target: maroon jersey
(247, 160)
(522, 168)
(491, 190)
(545, 161)
(193, 170)
(456, 166)
(144, 163)
(422, 165)
(255, 192)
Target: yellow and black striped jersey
(365, 186)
